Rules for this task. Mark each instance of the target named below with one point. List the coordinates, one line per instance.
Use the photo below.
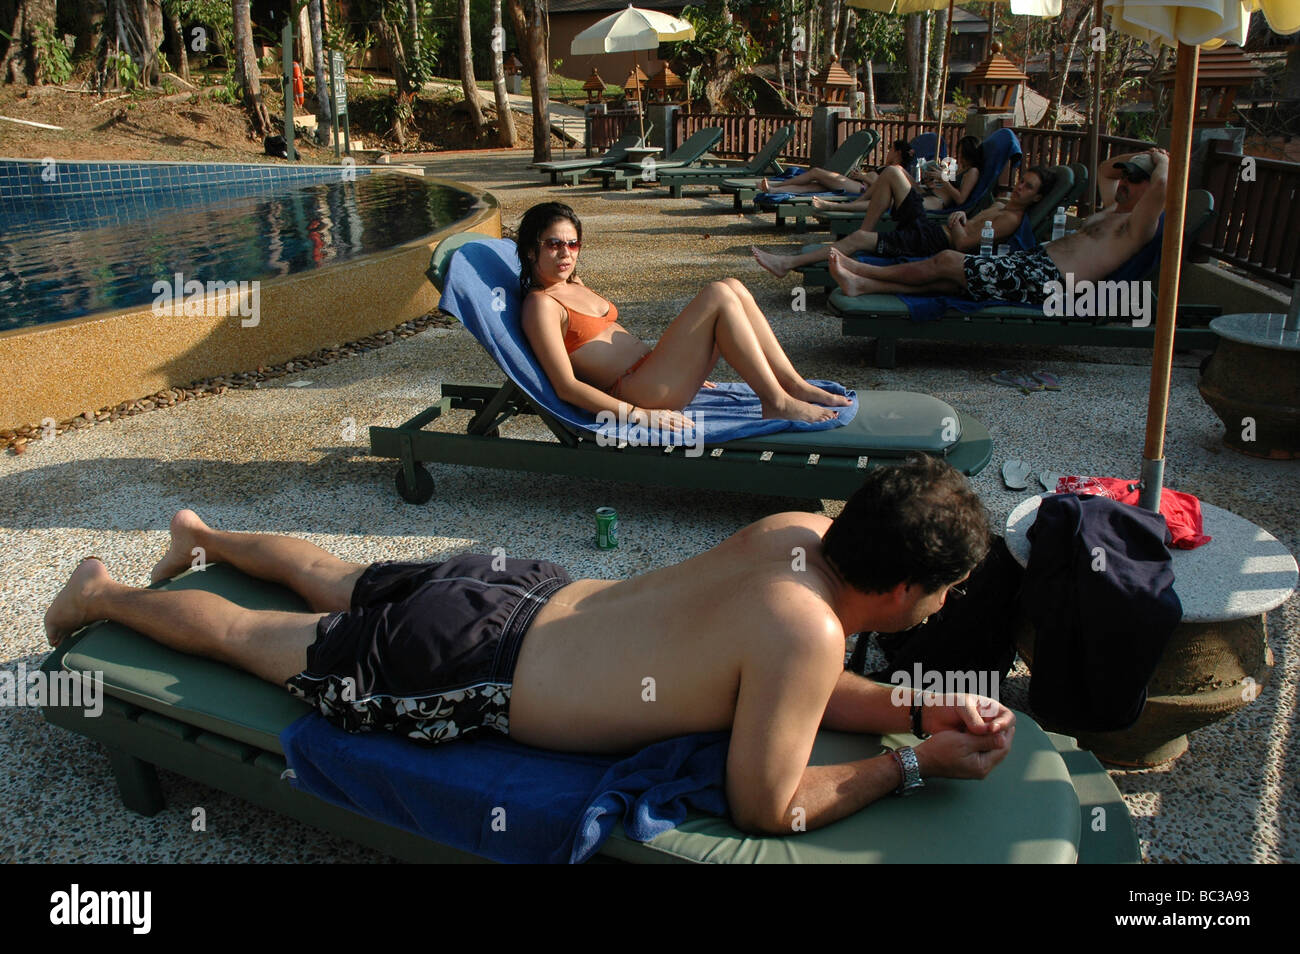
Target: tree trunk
(182, 64)
(246, 69)
(413, 18)
(923, 80)
(467, 69)
(22, 59)
(324, 93)
(529, 20)
(871, 90)
(1058, 96)
(392, 40)
(936, 87)
(505, 118)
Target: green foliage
(216, 17)
(877, 37)
(53, 59)
(720, 46)
(126, 70)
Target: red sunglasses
(555, 244)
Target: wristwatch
(917, 731)
(911, 769)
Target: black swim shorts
(1016, 276)
(427, 650)
(917, 235)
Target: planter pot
(1252, 382)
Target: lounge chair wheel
(423, 489)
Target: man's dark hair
(916, 522)
(528, 238)
(1046, 176)
(905, 152)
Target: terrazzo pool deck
(291, 457)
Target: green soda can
(606, 528)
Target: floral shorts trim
(1016, 276)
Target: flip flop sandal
(1048, 380)
(1013, 380)
(1015, 474)
(1049, 481)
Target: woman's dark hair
(970, 149)
(917, 522)
(528, 238)
(905, 152)
(1046, 177)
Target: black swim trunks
(917, 235)
(427, 650)
(1016, 276)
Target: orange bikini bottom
(617, 386)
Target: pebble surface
(286, 451)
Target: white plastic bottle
(986, 240)
(1058, 223)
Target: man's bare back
(580, 684)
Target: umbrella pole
(943, 82)
(1171, 252)
(1094, 130)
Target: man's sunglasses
(555, 244)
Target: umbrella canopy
(630, 30)
(1187, 24)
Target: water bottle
(917, 176)
(1058, 223)
(986, 240)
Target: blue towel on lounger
(505, 801)
(482, 290)
(932, 307)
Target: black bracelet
(917, 731)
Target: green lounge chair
(628, 174)
(889, 425)
(221, 727)
(764, 161)
(573, 170)
(1040, 217)
(887, 319)
(850, 152)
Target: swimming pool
(118, 280)
(82, 238)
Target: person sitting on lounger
(741, 638)
(1133, 185)
(595, 363)
(895, 187)
(857, 182)
(918, 236)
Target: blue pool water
(97, 236)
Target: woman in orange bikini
(595, 363)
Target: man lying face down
(748, 636)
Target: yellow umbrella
(1188, 25)
(1027, 8)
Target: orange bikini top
(583, 328)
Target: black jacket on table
(1099, 592)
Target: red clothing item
(1182, 512)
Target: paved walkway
(281, 459)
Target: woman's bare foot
(803, 391)
(68, 613)
(849, 283)
(764, 185)
(776, 264)
(794, 410)
(186, 527)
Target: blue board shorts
(427, 650)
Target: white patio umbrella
(1026, 8)
(1189, 25)
(629, 31)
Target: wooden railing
(743, 135)
(607, 127)
(1257, 221)
(892, 130)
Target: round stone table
(1217, 658)
(1253, 383)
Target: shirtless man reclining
(918, 236)
(748, 636)
(1133, 194)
